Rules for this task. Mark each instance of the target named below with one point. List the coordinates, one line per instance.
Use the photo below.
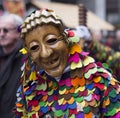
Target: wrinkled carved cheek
(34, 57)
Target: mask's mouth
(52, 63)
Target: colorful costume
(84, 90)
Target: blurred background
(107, 10)
(101, 17)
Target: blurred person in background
(97, 35)
(10, 62)
(110, 39)
(116, 44)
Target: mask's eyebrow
(60, 37)
(49, 36)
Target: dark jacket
(9, 80)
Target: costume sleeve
(20, 104)
(111, 99)
(106, 89)
(25, 92)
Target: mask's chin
(56, 72)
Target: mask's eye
(52, 40)
(34, 48)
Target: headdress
(39, 17)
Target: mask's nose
(45, 52)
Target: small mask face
(48, 49)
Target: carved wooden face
(48, 49)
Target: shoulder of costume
(80, 59)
